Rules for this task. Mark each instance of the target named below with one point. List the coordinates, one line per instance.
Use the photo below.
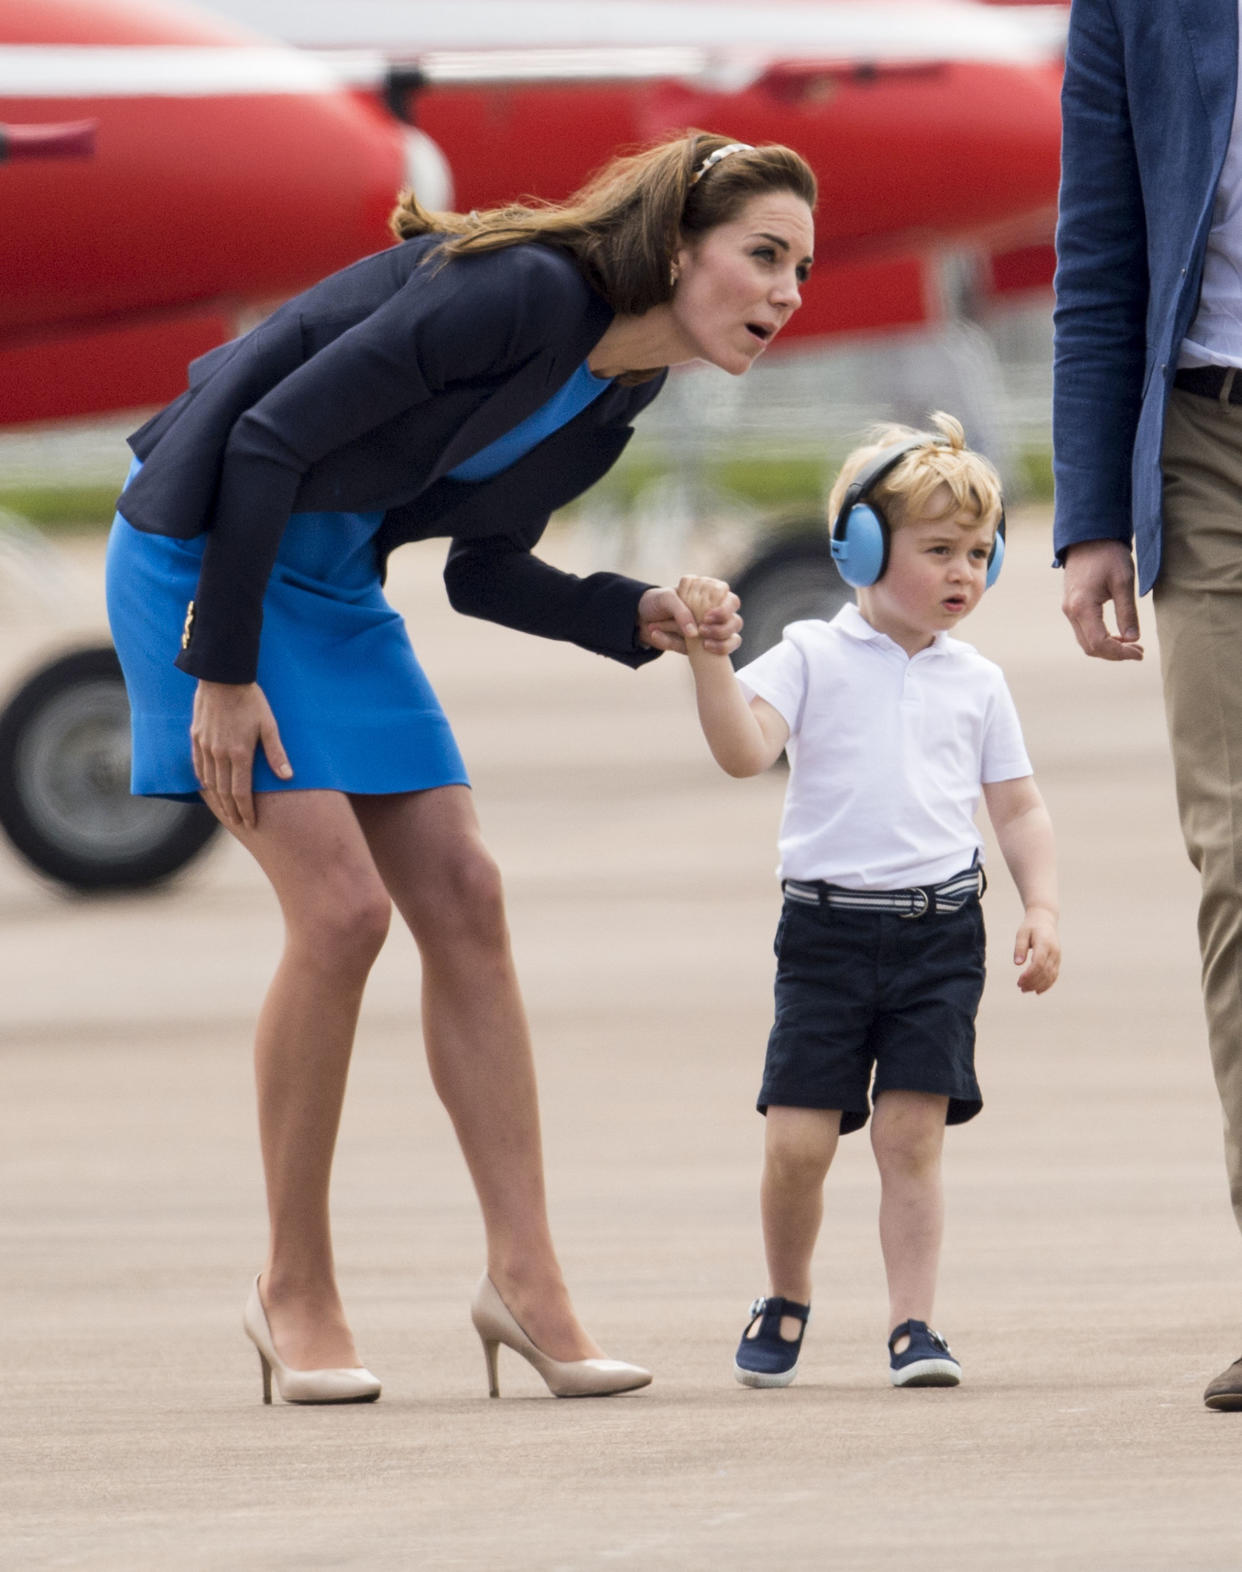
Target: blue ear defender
(860, 544)
(860, 532)
(997, 554)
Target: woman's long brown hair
(627, 222)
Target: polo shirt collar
(851, 622)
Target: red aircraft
(166, 175)
(224, 175)
(229, 170)
(929, 123)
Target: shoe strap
(774, 1305)
(915, 1329)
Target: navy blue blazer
(1147, 107)
(362, 394)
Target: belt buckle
(923, 905)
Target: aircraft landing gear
(64, 783)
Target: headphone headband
(884, 462)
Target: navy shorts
(863, 992)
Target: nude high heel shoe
(301, 1386)
(495, 1324)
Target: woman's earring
(673, 275)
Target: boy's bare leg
(799, 1145)
(907, 1136)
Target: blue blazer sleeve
(1102, 288)
(500, 580)
(495, 576)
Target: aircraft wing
(728, 31)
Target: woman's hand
(665, 622)
(230, 721)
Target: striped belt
(922, 901)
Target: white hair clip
(714, 158)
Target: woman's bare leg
(430, 854)
(336, 913)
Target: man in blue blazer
(1147, 426)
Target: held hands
(230, 721)
(1039, 946)
(703, 596)
(666, 619)
(1096, 572)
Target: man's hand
(1096, 572)
(665, 622)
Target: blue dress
(355, 710)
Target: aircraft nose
(427, 171)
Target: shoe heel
(328, 1385)
(494, 1322)
(491, 1357)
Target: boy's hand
(702, 595)
(1039, 946)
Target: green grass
(1035, 469)
(62, 507)
(787, 484)
(777, 484)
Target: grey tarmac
(1092, 1276)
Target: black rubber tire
(64, 783)
(794, 579)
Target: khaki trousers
(1199, 618)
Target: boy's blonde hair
(943, 460)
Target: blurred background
(170, 171)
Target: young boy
(892, 729)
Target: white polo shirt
(887, 752)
